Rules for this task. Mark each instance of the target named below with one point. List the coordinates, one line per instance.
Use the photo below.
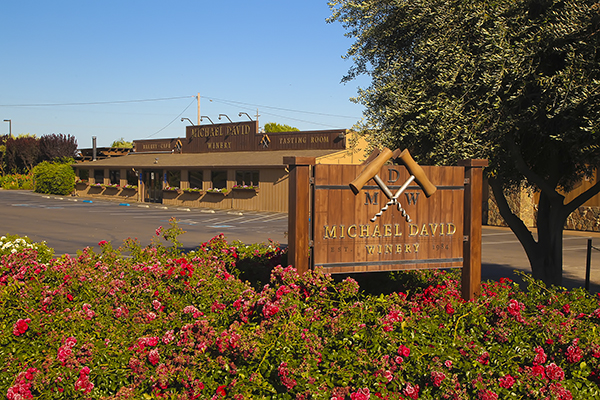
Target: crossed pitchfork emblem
(372, 166)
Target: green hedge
(53, 178)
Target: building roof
(255, 159)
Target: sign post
(471, 271)
(299, 211)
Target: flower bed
(17, 182)
(217, 191)
(162, 324)
(245, 187)
(193, 190)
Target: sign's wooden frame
(305, 240)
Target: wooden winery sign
(382, 217)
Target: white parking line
(229, 220)
(497, 234)
(574, 248)
(516, 241)
(264, 217)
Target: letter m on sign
(371, 199)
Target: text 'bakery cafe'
(225, 166)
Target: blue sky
(279, 56)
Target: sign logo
(374, 163)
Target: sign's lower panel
(352, 267)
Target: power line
(95, 102)
(225, 101)
(184, 110)
(232, 102)
(300, 120)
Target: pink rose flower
(411, 391)
(554, 372)
(153, 356)
(506, 381)
(403, 351)
(361, 394)
(21, 326)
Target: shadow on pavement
(497, 271)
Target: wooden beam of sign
(415, 170)
(370, 170)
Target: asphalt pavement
(69, 224)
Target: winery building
(224, 166)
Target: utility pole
(9, 126)
(198, 98)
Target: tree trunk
(545, 254)
(547, 264)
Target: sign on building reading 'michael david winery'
(392, 216)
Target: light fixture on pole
(240, 114)
(226, 117)
(188, 120)
(204, 116)
(9, 126)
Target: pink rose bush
(160, 323)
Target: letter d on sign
(393, 176)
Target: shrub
(164, 324)
(11, 244)
(53, 178)
(17, 182)
(252, 263)
(21, 153)
(57, 146)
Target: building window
(84, 174)
(115, 176)
(246, 178)
(132, 177)
(218, 179)
(99, 175)
(173, 178)
(196, 178)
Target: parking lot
(69, 224)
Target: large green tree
(516, 82)
(271, 127)
(122, 143)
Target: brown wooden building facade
(223, 166)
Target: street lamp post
(9, 126)
(182, 119)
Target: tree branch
(531, 176)
(582, 198)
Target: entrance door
(153, 183)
